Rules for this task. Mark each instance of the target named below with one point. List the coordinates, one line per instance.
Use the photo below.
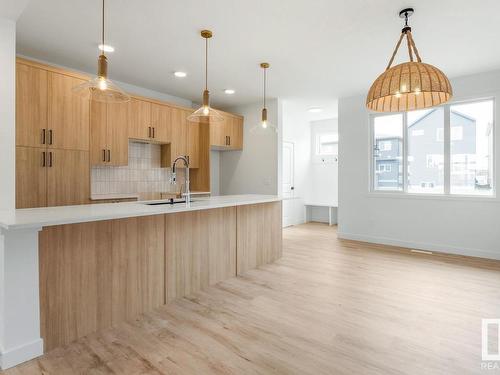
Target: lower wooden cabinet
(200, 250)
(98, 274)
(31, 177)
(259, 235)
(51, 177)
(95, 275)
(68, 178)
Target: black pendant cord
(265, 87)
(102, 52)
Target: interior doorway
(288, 188)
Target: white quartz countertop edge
(32, 218)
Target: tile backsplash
(143, 174)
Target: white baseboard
(421, 246)
(20, 354)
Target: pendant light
(205, 113)
(264, 126)
(411, 85)
(101, 88)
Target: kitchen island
(73, 270)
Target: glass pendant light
(264, 126)
(411, 85)
(101, 88)
(205, 113)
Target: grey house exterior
(425, 153)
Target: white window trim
(446, 195)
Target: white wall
(257, 168)
(469, 226)
(7, 113)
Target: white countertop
(29, 218)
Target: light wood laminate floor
(327, 307)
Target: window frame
(446, 154)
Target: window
(471, 148)
(327, 144)
(425, 154)
(442, 150)
(387, 152)
(384, 168)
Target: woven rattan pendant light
(411, 85)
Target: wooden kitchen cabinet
(218, 134)
(31, 177)
(68, 177)
(227, 134)
(99, 274)
(193, 142)
(259, 235)
(140, 119)
(68, 114)
(161, 122)
(109, 129)
(50, 177)
(200, 250)
(31, 106)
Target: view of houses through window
(409, 152)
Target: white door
(288, 179)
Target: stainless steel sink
(168, 202)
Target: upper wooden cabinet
(161, 123)
(68, 114)
(227, 134)
(109, 130)
(140, 119)
(150, 121)
(31, 106)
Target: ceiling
(319, 50)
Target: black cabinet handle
(149, 131)
(44, 159)
(43, 136)
(109, 156)
(50, 159)
(50, 137)
(229, 140)
(154, 132)
(103, 155)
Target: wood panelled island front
(94, 275)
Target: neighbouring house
(426, 163)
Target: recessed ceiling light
(315, 109)
(229, 91)
(180, 74)
(106, 48)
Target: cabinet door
(179, 133)
(68, 180)
(31, 105)
(98, 133)
(140, 119)
(31, 177)
(117, 134)
(138, 266)
(161, 121)
(68, 116)
(217, 133)
(193, 143)
(234, 131)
